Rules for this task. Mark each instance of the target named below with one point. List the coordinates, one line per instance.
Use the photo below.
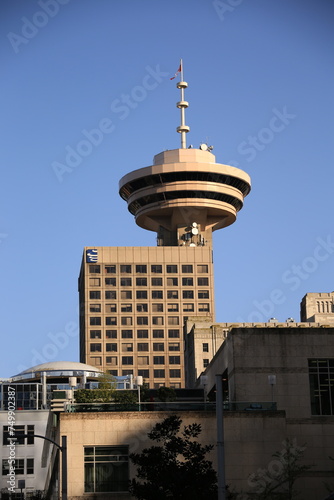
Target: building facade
(318, 308)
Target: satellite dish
(194, 224)
(194, 230)
(192, 245)
(203, 147)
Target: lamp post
(63, 449)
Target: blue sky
(260, 77)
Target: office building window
(144, 373)
(95, 348)
(126, 320)
(126, 294)
(94, 281)
(142, 308)
(187, 282)
(127, 372)
(173, 320)
(127, 334)
(187, 268)
(188, 294)
(156, 281)
(114, 373)
(111, 360)
(157, 320)
(205, 347)
(141, 281)
(95, 334)
(94, 269)
(203, 281)
(174, 360)
(95, 320)
(126, 308)
(158, 360)
(141, 294)
(110, 269)
(111, 308)
(127, 347)
(202, 268)
(158, 334)
(95, 360)
(205, 362)
(203, 308)
(174, 373)
(111, 334)
(156, 268)
(159, 373)
(111, 320)
(188, 307)
(172, 281)
(110, 294)
(127, 360)
(173, 334)
(111, 347)
(142, 320)
(172, 307)
(94, 294)
(157, 294)
(142, 334)
(142, 269)
(18, 429)
(143, 360)
(321, 375)
(106, 469)
(126, 269)
(142, 346)
(126, 282)
(110, 281)
(171, 269)
(203, 294)
(157, 307)
(158, 346)
(19, 466)
(172, 294)
(174, 346)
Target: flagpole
(183, 129)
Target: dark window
(125, 269)
(127, 347)
(95, 308)
(126, 281)
(203, 294)
(142, 307)
(142, 320)
(172, 307)
(111, 320)
(126, 320)
(127, 360)
(172, 281)
(95, 320)
(172, 294)
(188, 294)
(127, 334)
(158, 346)
(157, 320)
(126, 308)
(174, 373)
(111, 308)
(157, 294)
(156, 268)
(19, 430)
(156, 281)
(205, 362)
(142, 346)
(205, 347)
(188, 307)
(141, 269)
(142, 334)
(111, 347)
(144, 373)
(141, 294)
(174, 360)
(111, 360)
(126, 294)
(159, 373)
(127, 372)
(158, 360)
(173, 334)
(114, 373)
(95, 334)
(157, 307)
(106, 469)
(321, 374)
(94, 269)
(158, 334)
(203, 307)
(174, 346)
(110, 269)
(203, 281)
(110, 294)
(111, 334)
(95, 294)
(187, 282)
(110, 281)
(187, 268)
(171, 268)
(141, 281)
(30, 465)
(95, 347)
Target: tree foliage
(177, 467)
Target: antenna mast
(183, 129)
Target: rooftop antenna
(183, 129)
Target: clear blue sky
(260, 77)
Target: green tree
(278, 480)
(104, 394)
(177, 467)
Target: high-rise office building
(134, 300)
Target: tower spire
(183, 129)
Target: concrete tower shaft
(184, 196)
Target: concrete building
(134, 300)
(318, 308)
